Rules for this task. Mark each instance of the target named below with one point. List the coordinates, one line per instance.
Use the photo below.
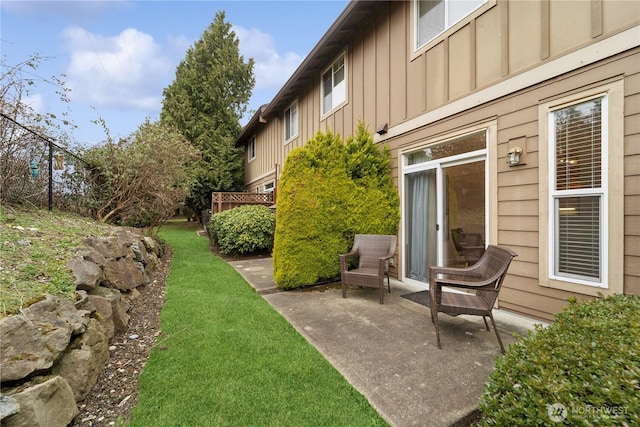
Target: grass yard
(227, 358)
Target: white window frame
(251, 148)
(446, 25)
(268, 187)
(601, 193)
(610, 193)
(338, 91)
(291, 122)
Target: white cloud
(125, 71)
(36, 102)
(130, 70)
(271, 69)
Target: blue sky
(118, 56)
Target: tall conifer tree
(205, 103)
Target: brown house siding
(632, 180)
(518, 190)
(423, 94)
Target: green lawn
(227, 358)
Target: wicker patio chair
(484, 278)
(374, 252)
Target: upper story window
(251, 148)
(291, 121)
(334, 87)
(435, 16)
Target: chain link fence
(34, 170)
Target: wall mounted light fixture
(513, 156)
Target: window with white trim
(251, 148)
(433, 17)
(581, 221)
(578, 191)
(334, 86)
(291, 121)
(269, 187)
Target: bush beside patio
(329, 191)
(584, 369)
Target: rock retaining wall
(54, 350)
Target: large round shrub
(311, 212)
(582, 370)
(328, 192)
(242, 230)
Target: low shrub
(242, 230)
(582, 370)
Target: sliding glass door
(445, 206)
(420, 223)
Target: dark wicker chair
(484, 277)
(374, 252)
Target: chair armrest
(458, 278)
(344, 257)
(458, 283)
(349, 255)
(388, 256)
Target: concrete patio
(388, 352)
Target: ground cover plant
(35, 245)
(582, 370)
(226, 358)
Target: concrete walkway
(388, 352)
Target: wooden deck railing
(222, 201)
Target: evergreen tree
(205, 103)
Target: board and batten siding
(517, 214)
(422, 94)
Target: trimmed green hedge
(242, 230)
(582, 370)
(329, 192)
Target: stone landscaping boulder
(88, 275)
(34, 340)
(52, 353)
(90, 253)
(109, 247)
(122, 274)
(119, 307)
(84, 359)
(153, 246)
(24, 350)
(140, 252)
(8, 406)
(104, 310)
(47, 404)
